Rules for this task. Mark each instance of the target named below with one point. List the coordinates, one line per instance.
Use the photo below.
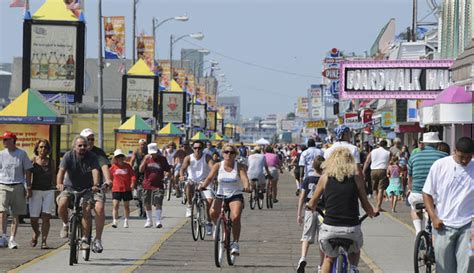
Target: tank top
(380, 158)
(42, 177)
(170, 157)
(198, 169)
(341, 202)
(229, 182)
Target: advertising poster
(189, 84)
(316, 124)
(146, 50)
(27, 135)
(228, 132)
(219, 125)
(211, 120)
(173, 107)
(287, 124)
(164, 67)
(388, 120)
(180, 76)
(128, 142)
(140, 97)
(114, 30)
(199, 115)
(201, 93)
(164, 140)
(53, 58)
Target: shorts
(13, 197)
(274, 172)
(99, 196)
(261, 178)
(41, 202)
(236, 197)
(311, 226)
(125, 196)
(379, 179)
(207, 193)
(415, 198)
(327, 232)
(154, 197)
(69, 194)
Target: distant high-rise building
(456, 27)
(192, 60)
(231, 108)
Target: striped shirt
(419, 166)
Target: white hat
(118, 152)
(431, 137)
(152, 148)
(87, 132)
(142, 141)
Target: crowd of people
(335, 176)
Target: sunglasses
(42, 147)
(197, 148)
(91, 139)
(82, 145)
(229, 152)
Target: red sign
(351, 118)
(331, 73)
(367, 115)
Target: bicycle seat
(420, 206)
(345, 243)
(254, 179)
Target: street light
(156, 24)
(197, 36)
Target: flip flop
(33, 242)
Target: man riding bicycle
(78, 170)
(256, 167)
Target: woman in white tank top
(233, 180)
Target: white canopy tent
(262, 141)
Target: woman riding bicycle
(231, 176)
(341, 189)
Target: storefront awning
(454, 94)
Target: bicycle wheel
(423, 262)
(73, 243)
(269, 197)
(253, 193)
(87, 253)
(219, 246)
(228, 240)
(195, 220)
(168, 192)
(340, 265)
(202, 219)
(259, 198)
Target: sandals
(33, 242)
(44, 245)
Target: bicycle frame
(75, 227)
(424, 257)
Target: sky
(271, 51)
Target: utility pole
(171, 60)
(100, 80)
(414, 18)
(134, 31)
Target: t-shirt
(79, 170)
(309, 187)
(243, 151)
(394, 171)
(155, 172)
(272, 160)
(102, 159)
(345, 144)
(419, 166)
(122, 177)
(256, 163)
(13, 166)
(380, 158)
(306, 160)
(394, 151)
(452, 187)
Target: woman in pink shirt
(274, 165)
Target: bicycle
(256, 195)
(269, 193)
(169, 189)
(75, 228)
(138, 196)
(424, 258)
(198, 215)
(342, 263)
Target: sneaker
(64, 232)
(188, 211)
(301, 265)
(84, 245)
(97, 247)
(354, 269)
(209, 229)
(114, 224)
(275, 201)
(148, 223)
(235, 249)
(3, 242)
(12, 244)
(297, 192)
(125, 223)
(159, 225)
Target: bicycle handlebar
(361, 219)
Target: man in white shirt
(306, 160)
(343, 139)
(450, 187)
(378, 160)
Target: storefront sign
(351, 118)
(128, 142)
(367, 115)
(173, 107)
(414, 79)
(331, 73)
(27, 135)
(315, 124)
(53, 57)
(287, 124)
(388, 120)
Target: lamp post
(156, 24)
(197, 36)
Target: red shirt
(122, 177)
(155, 172)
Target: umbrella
(262, 141)
(199, 136)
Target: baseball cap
(8, 134)
(142, 141)
(87, 132)
(118, 152)
(152, 148)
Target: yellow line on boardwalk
(155, 248)
(370, 263)
(410, 228)
(38, 259)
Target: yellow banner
(27, 135)
(128, 142)
(316, 124)
(164, 140)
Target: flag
(74, 6)
(18, 4)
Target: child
(310, 220)
(124, 180)
(394, 189)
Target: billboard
(53, 57)
(199, 115)
(27, 135)
(400, 79)
(128, 142)
(114, 31)
(139, 96)
(173, 107)
(287, 124)
(211, 120)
